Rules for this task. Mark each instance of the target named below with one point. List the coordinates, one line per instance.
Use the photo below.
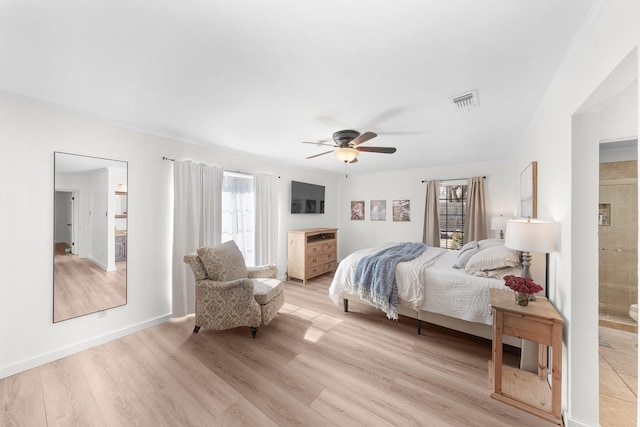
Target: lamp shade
(530, 235)
(345, 154)
(498, 222)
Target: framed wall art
(378, 211)
(357, 210)
(402, 210)
(529, 191)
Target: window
(238, 213)
(452, 204)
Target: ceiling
(261, 77)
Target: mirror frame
(86, 244)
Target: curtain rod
(246, 173)
(450, 179)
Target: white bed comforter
(455, 293)
(409, 275)
(430, 283)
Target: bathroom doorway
(617, 234)
(618, 282)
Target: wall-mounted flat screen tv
(307, 198)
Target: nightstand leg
(542, 360)
(556, 370)
(497, 351)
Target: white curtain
(266, 219)
(431, 230)
(196, 222)
(238, 214)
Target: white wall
(619, 117)
(407, 184)
(98, 219)
(566, 150)
(30, 133)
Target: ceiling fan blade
(362, 138)
(386, 150)
(321, 154)
(319, 143)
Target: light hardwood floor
(81, 287)
(314, 365)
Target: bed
(430, 288)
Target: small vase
(522, 298)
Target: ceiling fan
(347, 145)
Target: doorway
(63, 221)
(618, 282)
(617, 223)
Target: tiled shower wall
(618, 242)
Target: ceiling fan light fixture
(346, 154)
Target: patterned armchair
(229, 294)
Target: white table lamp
(529, 235)
(499, 223)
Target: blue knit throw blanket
(375, 276)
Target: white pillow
(467, 251)
(471, 245)
(492, 258)
(499, 273)
(488, 243)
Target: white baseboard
(98, 263)
(568, 422)
(7, 371)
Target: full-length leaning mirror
(90, 235)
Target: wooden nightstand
(538, 322)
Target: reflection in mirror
(90, 235)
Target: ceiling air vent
(465, 102)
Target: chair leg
(254, 331)
(196, 329)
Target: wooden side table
(538, 322)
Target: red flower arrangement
(522, 284)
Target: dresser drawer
(316, 270)
(330, 256)
(313, 260)
(315, 249)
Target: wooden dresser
(312, 252)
